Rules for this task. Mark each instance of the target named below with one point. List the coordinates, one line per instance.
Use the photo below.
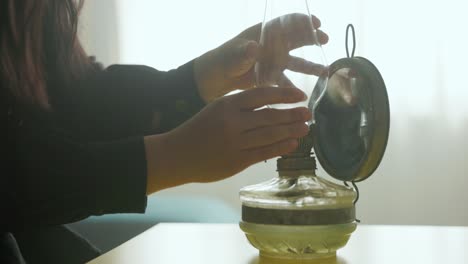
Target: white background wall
(420, 47)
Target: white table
(226, 244)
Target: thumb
(243, 57)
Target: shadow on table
(263, 260)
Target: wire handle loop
(350, 26)
(357, 194)
(355, 188)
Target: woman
(80, 140)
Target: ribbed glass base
(322, 259)
(298, 242)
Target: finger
(322, 37)
(274, 150)
(301, 65)
(270, 117)
(264, 136)
(307, 39)
(301, 30)
(258, 97)
(253, 32)
(297, 21)
(316, 22)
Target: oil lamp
(298, 214)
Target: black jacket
(86, 157)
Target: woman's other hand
(227, 136)
(231, 66)
(226, 68)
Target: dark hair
(39, 46)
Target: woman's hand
(280, 36)
(226, 137)
(231, 66)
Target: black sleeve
(58, 178)
(122, 100)
(89, 159)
